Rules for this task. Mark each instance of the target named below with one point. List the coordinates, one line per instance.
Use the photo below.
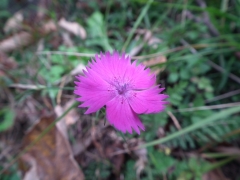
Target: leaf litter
(51, 157)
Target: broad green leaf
(97, 31)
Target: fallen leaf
(136, 50)
(7, 63)
(155, 61)
(32, 171)
(61, 125)
(70, 118)
(80, 147)
(142, 158)
(24, 38)
(42, 8)
(73, 28)
(14, 23)
(15, 42)
(78, 69)
(229, 150)
(49, 26)
(117, 160)
(52, 153)
(67, 41)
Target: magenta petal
(121, 116)
(139, 77)
(126, 88)
(94, 92)
(147, 101)
(110, 66)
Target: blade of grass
(136, 24)
(148, 56)
(213, 11)
(202, 108)
(221, 163)
(216, 155)
(216, 116)
(38, 87)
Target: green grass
(200, 66)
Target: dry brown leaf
(78, 70)
(73, 28)
(61, 125)
(14, 23)
(148, 38)
(25, 38)
(6, 63)
(214, 175)
(142, 159)
(229, 150)
(70, 118)
(48, 27)
(136, 50)
(32, 172)
(79, 148)
(117, 160)
(42, 8)
(147, 35)
(52, 153)
(67, 41)
(15, 42)
(155, 61)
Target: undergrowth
(201, 47)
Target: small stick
(60, 90)
(174, 119)
(223, 96)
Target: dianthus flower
(125, 88)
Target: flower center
(122, 89)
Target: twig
(219, 68)
(5, 152)
(122, 151)
(223, 96)
(133, 57)
(148, 56)
(212, 64)
(37, 87)
(28, 86)
(60, 90)
(174, 119)
(206, 19)
(65, 53)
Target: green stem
(136, 24)
(220, 115)
(221, 163)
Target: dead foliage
(51, 157)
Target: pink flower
(125, 88)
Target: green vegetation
(195, 49)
